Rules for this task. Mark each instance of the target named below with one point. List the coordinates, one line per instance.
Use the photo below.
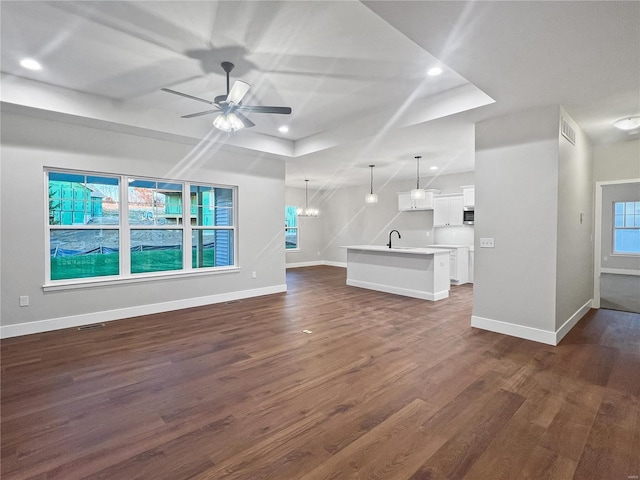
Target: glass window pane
(291, 238)
(103, 203)
(636, 208)
(211, 206)
(618, 208)
(68, 199)
(628, 219)
(212, 248)
(156, 250)
(84, 253)
(203, 253)
(291, 216)
(152, 203)
(619, 221)
(626, 241)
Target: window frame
(125, 228)
(615, 228)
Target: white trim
(572, 321)
(315, 263)
(514, 330)
(304, 264)
(529, 333)
(620, 271)
(597, 234)
(136, 278)
(335, 264)
(7, 331)
(399, 291)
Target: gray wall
(516, 204)
(574, 264)
(531, 186)
(345, 219)
(616, 161)
(29, 144)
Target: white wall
(30, 144)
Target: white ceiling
(353, 72)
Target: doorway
(617, 246)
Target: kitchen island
(412, 272)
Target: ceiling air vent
(568, 132)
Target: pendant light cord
(418, 172)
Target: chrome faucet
(399, 236)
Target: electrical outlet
(253, 275)
(24, 300)
(486, 243)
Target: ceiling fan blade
(238, 91)
(208, 112)
(168, 90)
(245, 121)
(264, 109)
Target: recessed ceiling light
(433, 167)
(30, 64)
(434, 71)
(284, 129)
(628, 123)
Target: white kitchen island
(412, 272)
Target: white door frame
(597, 234)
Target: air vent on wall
(568, 132)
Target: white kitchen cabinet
(407, 204)
(458, 262)
(469, 196)
(447, 210)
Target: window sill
(142, 278)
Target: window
(291, 228)
(84, 225)
(94, 232)
(626, 227)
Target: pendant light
(306, 211)
(418, 193)
(371, 197)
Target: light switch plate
(486, 243)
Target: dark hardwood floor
(386, 387)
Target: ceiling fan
(229, 107)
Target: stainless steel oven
(467, 217)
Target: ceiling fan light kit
(229, 107)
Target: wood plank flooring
(386, 387)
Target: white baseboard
(529, 333)
(399, 291)
(620, 271)
(8, 331)
(316, 263)
(573, 320)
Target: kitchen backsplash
(452, 235)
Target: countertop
(401, 250)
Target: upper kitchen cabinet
(407, 204)
(469, 196)
(447, 210)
